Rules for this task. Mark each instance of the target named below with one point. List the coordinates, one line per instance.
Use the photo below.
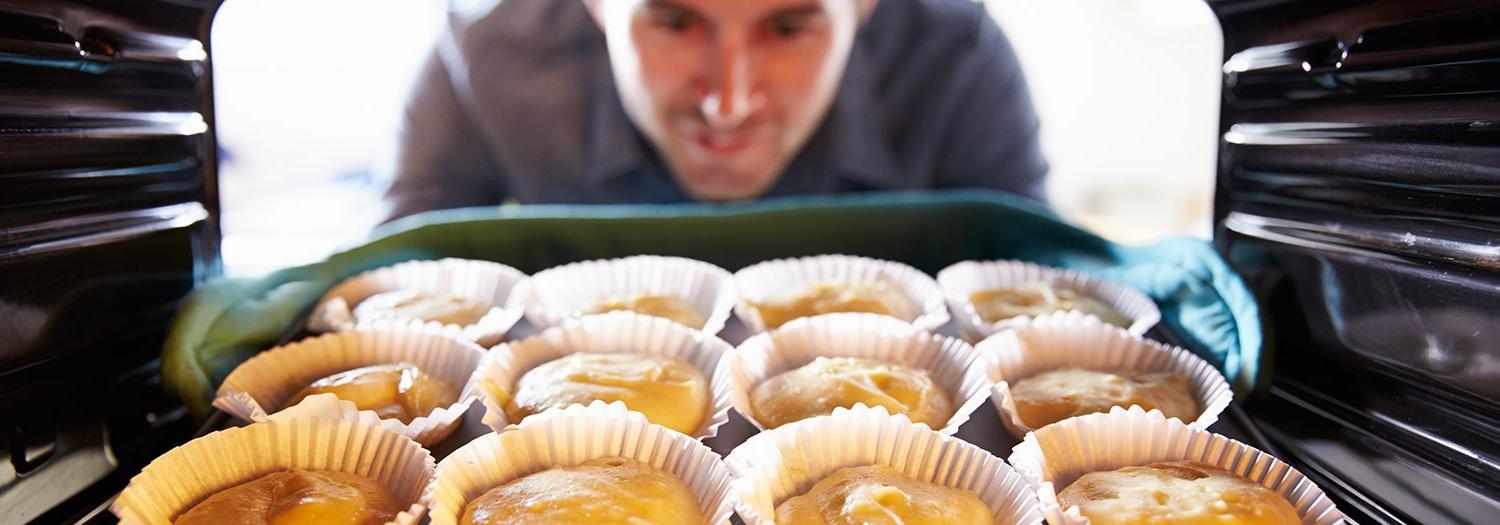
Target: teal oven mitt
(1201, 299)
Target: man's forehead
(744, 9)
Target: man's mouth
(723, 143)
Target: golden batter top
(1056, 395)
(1178, 492)
(407, 305)
(598, 491)
(297, 497)
(830, 297)
(827, 383)
(1036, 299)
(669, 306)
(881, 495)
(393, 391)
(667, 391)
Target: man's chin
(718, 187)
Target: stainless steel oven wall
(1359, 192)
(108, 214)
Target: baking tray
(1205, 306)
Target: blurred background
(1127, 91)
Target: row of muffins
(483, 299)
(606, 464)
(898, 384)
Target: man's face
(728, 90)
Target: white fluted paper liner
(489, 283)
(1055, 456)
(764, 281)
(964, 278)
(952, 363)
(775, 465)
(607, 333)
(573, 435)
(184, 476)
(565, 292)
(1074, 339)
(257, 389)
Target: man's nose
(731, 95)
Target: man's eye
(674, 20)
(787, 27)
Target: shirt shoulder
(535, 76)
(934, 73)
(940, 32)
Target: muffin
(464, 293)
(988, 297)
(694, 293)
(1172, 473)
(669, 306)
(864, 465)
(413, 379)
(409, 305)
(288, 471)
(596, 463)
(1055, 395)
(878, 495)
(393, 391)
(878, 297)
(669, 392)
(827, 383)
(602, 490)
(297, 496)
(1033, 299)
(1179, 492)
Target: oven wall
(1359, 194)
(108, 217)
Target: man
(651, 101)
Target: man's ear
(596, 11)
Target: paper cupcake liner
(1054, 457)
(952, 363)
(184, 476)
(775, 465)
(569, 436)
(560, 293)
(762, 281)
(258, 387)
(607, 333)
(1073, 339)
(483, 281)
(964, 278)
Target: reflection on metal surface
(84, 461)
(1279, 56)
(1336, 236)
(92, 230)
(1393, 484)
(1291, 133)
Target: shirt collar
(851, 142)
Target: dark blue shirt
(517, 102)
